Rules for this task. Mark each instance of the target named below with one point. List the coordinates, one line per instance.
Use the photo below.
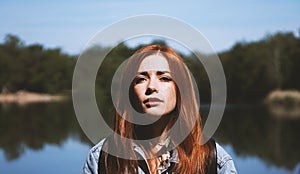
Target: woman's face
(154, 86)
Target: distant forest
(252, 69)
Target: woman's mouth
(151, 102)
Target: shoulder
(95, 151)
(224, 161)
(91, 163)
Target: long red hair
(192, 156)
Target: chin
(154, 112)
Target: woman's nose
(151, 87)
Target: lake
(46, 138)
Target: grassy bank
(24, 97)
(284, 103)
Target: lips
(150, 102)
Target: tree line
(252, 69)
(34, 68)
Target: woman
(157, 123)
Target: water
(46, 138)
(65, 158)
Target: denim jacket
(225, 164)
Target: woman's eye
(139, 80)
(165, 79)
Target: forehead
(154, 63)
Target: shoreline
(25, 97)
(284, 103)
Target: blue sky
(70, 24)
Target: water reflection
(253, 131)
(35, 125)
(249, 131)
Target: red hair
(192, 156)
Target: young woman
(157, 123)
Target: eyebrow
(145, 73)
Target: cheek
(138, 91)
(171, 94)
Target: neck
(156, 129)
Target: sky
(70, 24)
